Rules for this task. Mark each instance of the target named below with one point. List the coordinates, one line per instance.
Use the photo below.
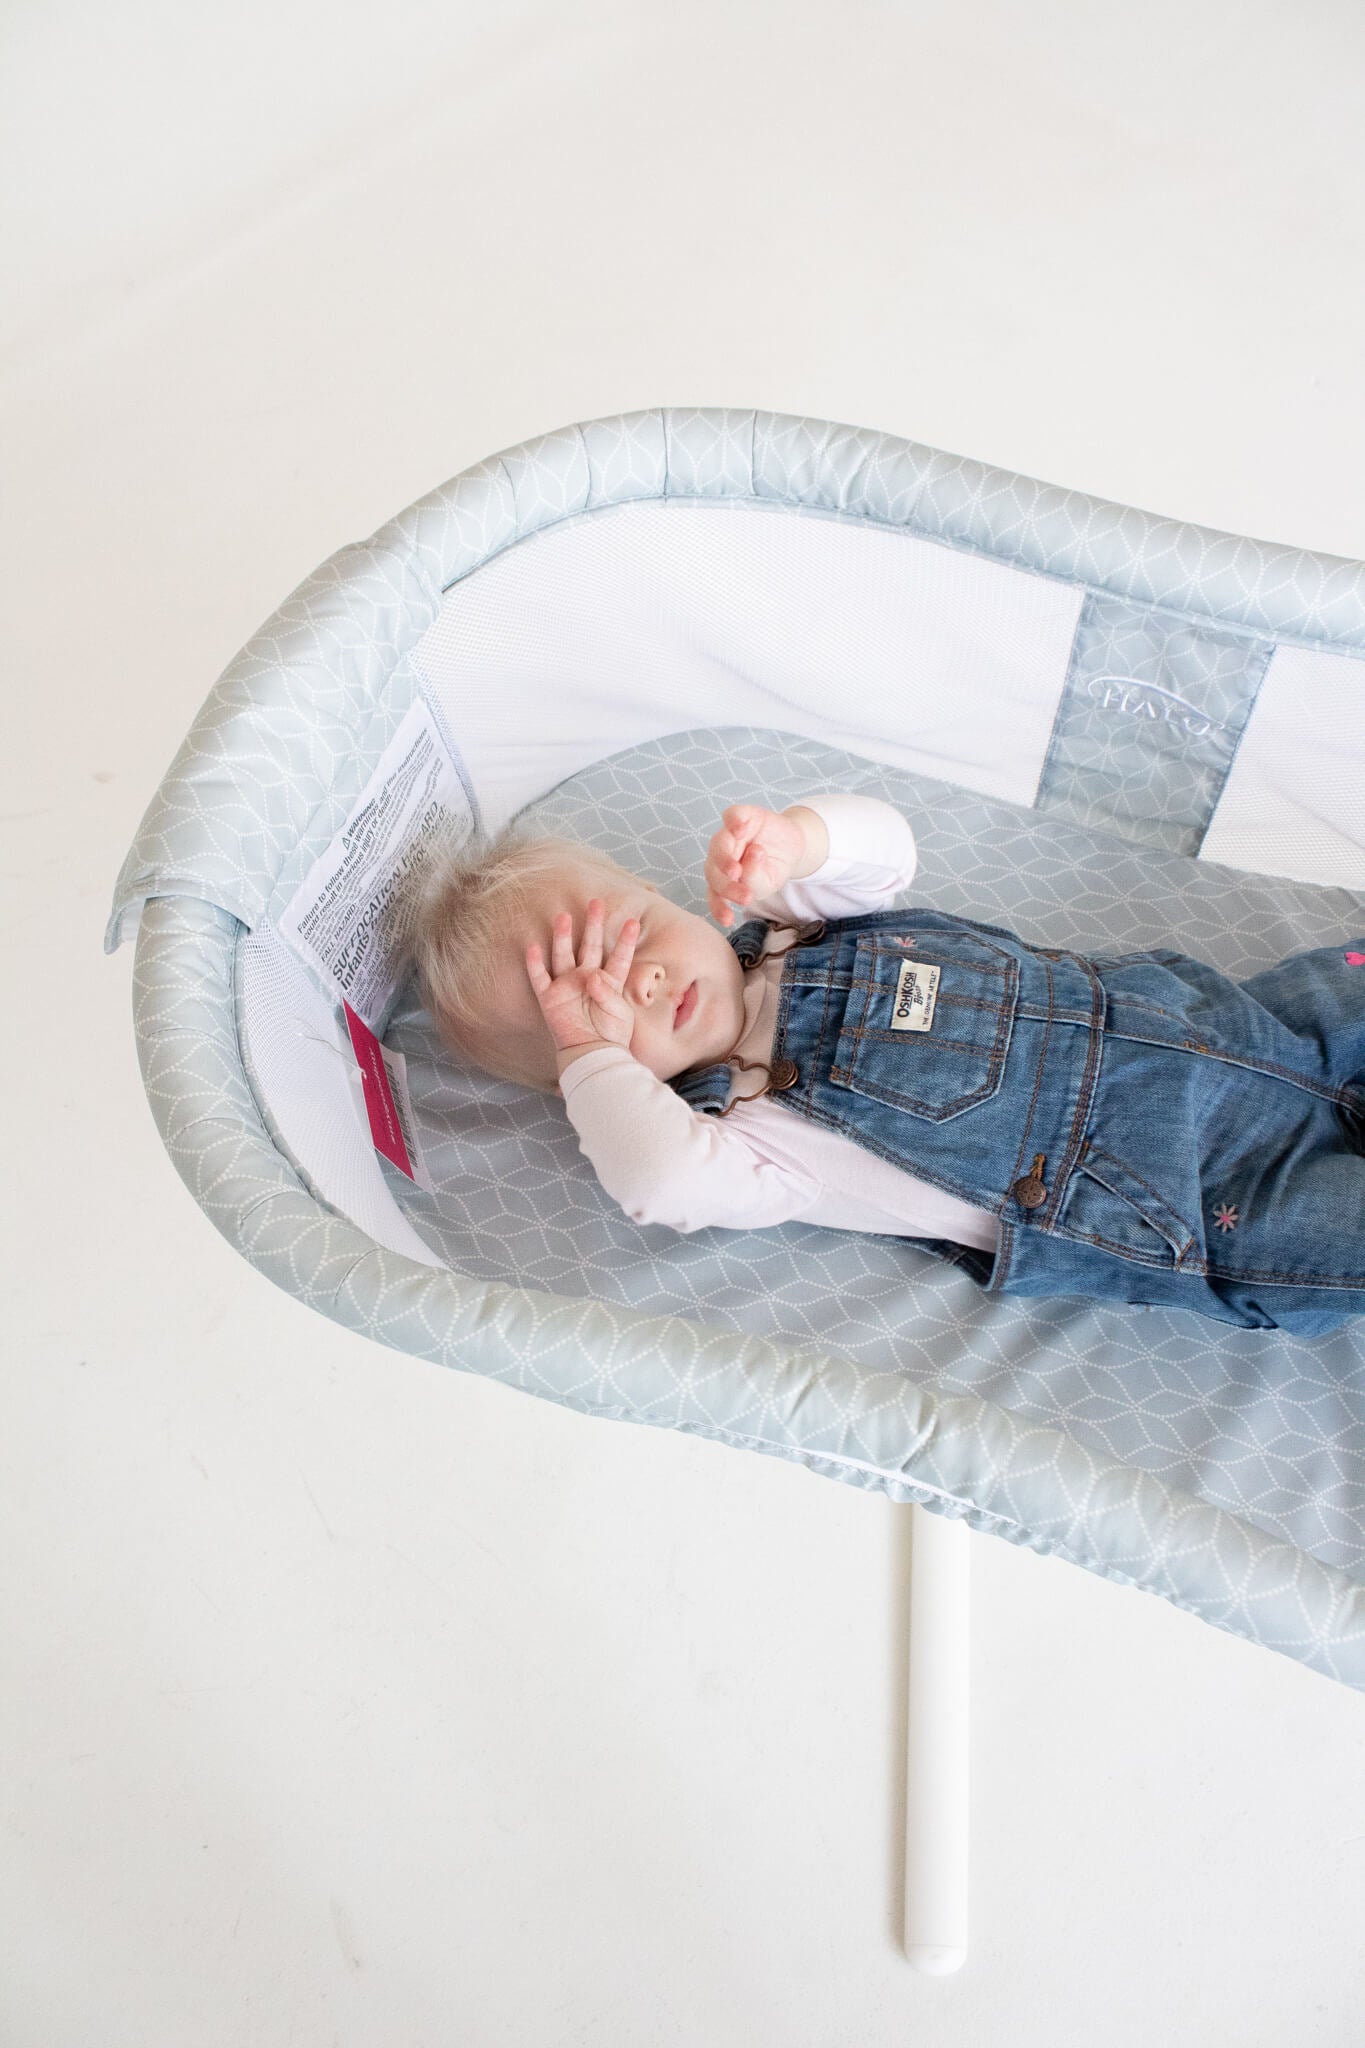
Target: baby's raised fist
(754, 852)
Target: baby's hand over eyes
(582, 1001)
(752, 855)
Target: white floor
(347, 1703)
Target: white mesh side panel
(1294, 801)
(304, 1075)
(641, 620)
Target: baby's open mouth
(686, 1006)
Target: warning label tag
(916, 994)
(384, 1077)
(349, 916)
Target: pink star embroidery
(1225, 1216)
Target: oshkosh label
(916, 993)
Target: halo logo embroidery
(1136, 698)
(1225, 1216)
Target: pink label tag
(1355, 959)
(385, 1124)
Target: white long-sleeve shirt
(666, 1163)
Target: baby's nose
(646, 977)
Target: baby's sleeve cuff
(592, 1063)
(864, 831)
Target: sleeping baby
(1136, 1128)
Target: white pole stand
(937, 1745)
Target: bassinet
(1107, 728)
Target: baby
(1137, 1128)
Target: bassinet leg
(937, 1745)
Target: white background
(350, 1703)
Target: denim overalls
(1145, 1129)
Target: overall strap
(707, 1089)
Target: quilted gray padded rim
(272, 764)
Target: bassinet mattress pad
(1222, 1469)
(1273, 1430)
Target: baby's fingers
(561, 943)
(742, 822)
(716, 875)
(731, 840)
(535, 968)
(619, 961)
(756, 865)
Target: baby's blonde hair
(467, 901)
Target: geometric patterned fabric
(1267, 1426)
(1221, 1469)
(1153, 709)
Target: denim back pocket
(928, 1022)
(1109, 1205)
